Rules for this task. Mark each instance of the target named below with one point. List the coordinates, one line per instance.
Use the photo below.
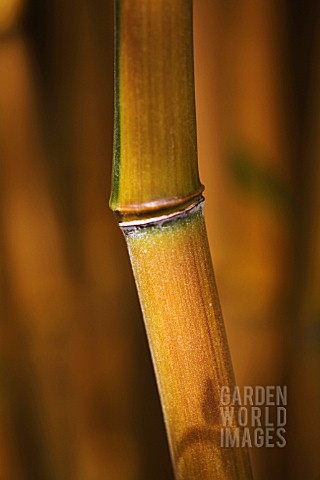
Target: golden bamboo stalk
(157, 197)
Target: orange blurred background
(78, 399)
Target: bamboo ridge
(157, 197)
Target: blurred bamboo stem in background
(243, 153)
(304, 428)
(156, 195)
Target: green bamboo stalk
(157, 197)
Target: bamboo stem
(156, 194)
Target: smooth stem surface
(176, 285)
(155, 155)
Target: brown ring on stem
(149, 212)
(161, 219)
